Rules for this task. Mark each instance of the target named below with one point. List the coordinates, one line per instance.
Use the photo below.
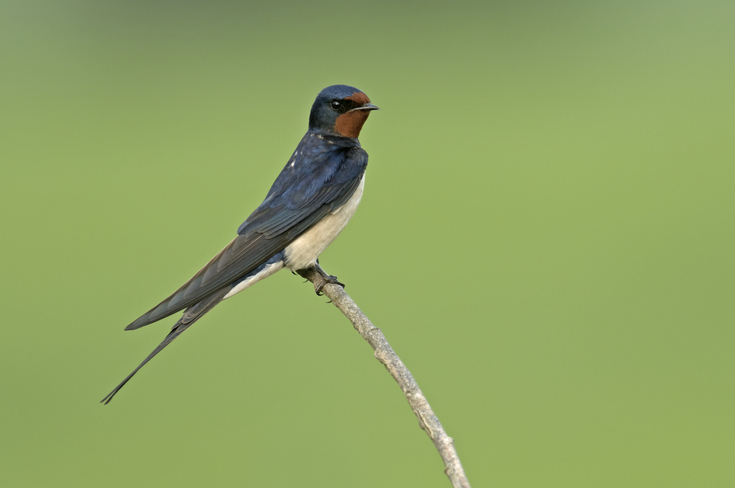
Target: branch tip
(384, 353)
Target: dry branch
(385, 354)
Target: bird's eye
(336, 105)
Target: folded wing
(300, 198)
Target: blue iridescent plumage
(323, 174)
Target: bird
(310, 202)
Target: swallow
(309, 204)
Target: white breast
(303, 252)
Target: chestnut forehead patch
(359, 98)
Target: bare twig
(385, 354)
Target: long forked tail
(191, 315)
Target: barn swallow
(309, 204)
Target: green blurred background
(546, 239)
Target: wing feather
(295, 203)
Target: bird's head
(340, 110)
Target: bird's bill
(367, 106)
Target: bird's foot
(323, 280)
(319, 277)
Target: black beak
(367, 106)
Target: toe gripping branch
(319, 277)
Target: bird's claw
(324, 280)
(319, 277)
